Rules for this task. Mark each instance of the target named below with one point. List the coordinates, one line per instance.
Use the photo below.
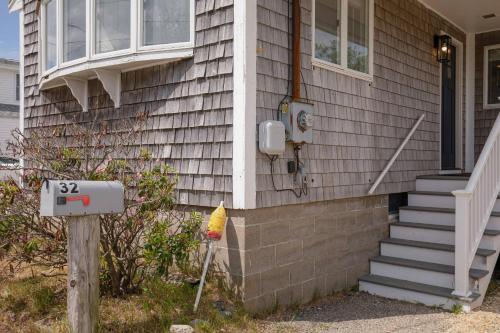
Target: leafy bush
(149, 237)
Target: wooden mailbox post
(82, 202)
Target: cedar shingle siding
(358, 125)
(189, 104)
(484, 118)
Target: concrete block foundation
(288, 255)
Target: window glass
(358, 35)
(74, 29)
(327, 30)
(160, 16)
(494, 76)
(51, 31)
(112, 24)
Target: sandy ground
(360, 312)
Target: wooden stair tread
(433, 246)
(474, 273)
(451, 228)
(437, 210)
(412, 286)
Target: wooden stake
(208, 259)
(83, 273)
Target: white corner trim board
(470, 103)
(244, 104)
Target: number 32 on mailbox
(79, 198)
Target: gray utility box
(79, 198)
(298, 120)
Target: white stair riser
(437, 236)
(494, 223)
(438, 201)
(418, 216)
(427, 255)
(409, 296)
(432, 278)
(440, 185)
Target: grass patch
(39, 304)
(457, 309)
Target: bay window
(74, 29)
(165, 15)
(112, 25)
(80, 35)
(491, 77)
(51, 34)
(343, 36)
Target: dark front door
(448, 104)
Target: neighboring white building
(9, 100)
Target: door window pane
(327, 30)
(51, 32)
(493, 76)
(358, 35)
(166, 21)
(112, 24)
(74, 29)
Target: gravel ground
(360, 312)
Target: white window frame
(140, 31)
(128, 56)
(487, 105)
(343, 66)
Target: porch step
(433, 215)
(437, 199)
(432, 252)
(417, 263)
(433, 246)
(437, 233)
(410, 291)
(445, 177)
(440, 227)
(427, 266)
(441, 183)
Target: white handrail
(474, 205)
(396, 155)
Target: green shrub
(149, 237)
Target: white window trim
(140, 32)
(486, 105)
(342, 67)
(123, 59)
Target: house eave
(15, 5)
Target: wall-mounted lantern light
(442, 46)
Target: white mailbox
(79, 198)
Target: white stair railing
(473, 209)
(396, 155)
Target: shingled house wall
(189, 104)
(484, 118)
(358, 125)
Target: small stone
(181, 329)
